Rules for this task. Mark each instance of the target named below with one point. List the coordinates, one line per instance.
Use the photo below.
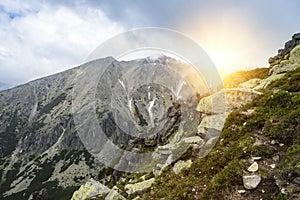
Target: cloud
(40, 39)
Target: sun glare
(229, 40)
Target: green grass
(234, 79)
(8, 140)
(290, 81)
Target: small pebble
(273, 166)
(273, 142)
(241, 191)
(275, 158)
(253, 167)
(256, 158)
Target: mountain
(150, 129)
(42, 148)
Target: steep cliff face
(41, 153)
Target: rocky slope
(255, 157)
(257, 153)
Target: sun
(229, 40)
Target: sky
(39, 38)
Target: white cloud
(40, 39)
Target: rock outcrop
(283, 54)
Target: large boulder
(138, 187)
(90, 189)
(226, 100)
(180, 165)
(211, 122)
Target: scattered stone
(273, 166)
(273, 142)
(276, 158)
(256, 158)
(137, 187)
(241, 191)
(257, 142)
(251, 182)
(253, 167)
(263, 191)
(281, 144)
(249, 112)
(182, 165)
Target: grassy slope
(219, 175)
(234, 79)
